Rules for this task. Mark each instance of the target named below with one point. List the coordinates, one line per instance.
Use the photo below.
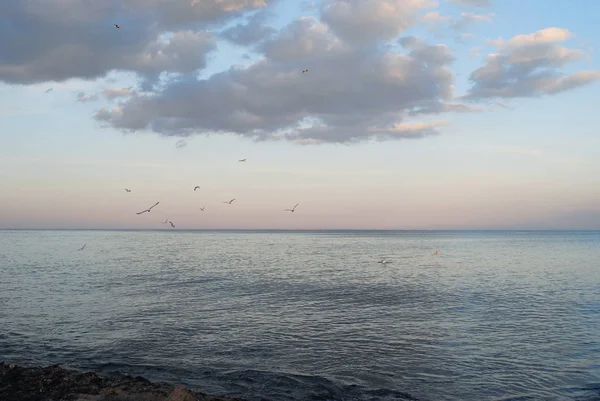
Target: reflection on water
(297, 315)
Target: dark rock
(54, 383)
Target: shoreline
(53, 383)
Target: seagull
(166, 221)
(48, 90)
(303, 71)
(172, 225)
(116, 26)
(292, 210)
(229, 201)
(196, 187)
(242, 160)
(383, 261)
(148, 210)
(127, 190)
(202, 208)
(81, 249)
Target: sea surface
(294, 315)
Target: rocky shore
(53, 383)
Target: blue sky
(522, 155)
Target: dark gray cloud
(349, 94)
(529, 65)
(46, 40)
(255, 30)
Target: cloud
(529, 65)
(58, 40)
(437, 22)
(541, 37)
(359, 21)
(467, 19)
(82, 97)
(252, 32)
(434, 17)
(112, 93)
(475, 3)
(350, 94)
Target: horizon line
(303, 229)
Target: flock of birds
(197, 187)
(383, 261)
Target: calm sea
(312, 315)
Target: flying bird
(229, 201)
(127, 190)
(436, 253)
(148, 210)
(172, 225)
(116, 26)
(303, 71)
(202, 208)
(166, 221)
(48, 90)
(242, 160)
(81, 249)
(383, 261)
(196, 187)
(292, 210)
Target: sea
(311, 315)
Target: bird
(127, 190)
(292, 210)
(202, 208)
(303, 71)
(383, 261)
(436, 253)
(166, 221)
(81, 249)
(229, 201)
(148, 210)
(172, 225)
(196, 187)
(116, 26)
(242, 160)
(48, 90)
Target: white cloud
(529, 65)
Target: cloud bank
(367, 79)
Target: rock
(181, 394)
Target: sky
(413, 114)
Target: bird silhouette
(303, 71)
(292, 209)
(242, 160)
(229, 202)
(202, 208)
(196, 187)
(81, 249)
(127, 190)
(148, 210)
(172, 225)
(116, 26)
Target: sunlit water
(312, 315)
